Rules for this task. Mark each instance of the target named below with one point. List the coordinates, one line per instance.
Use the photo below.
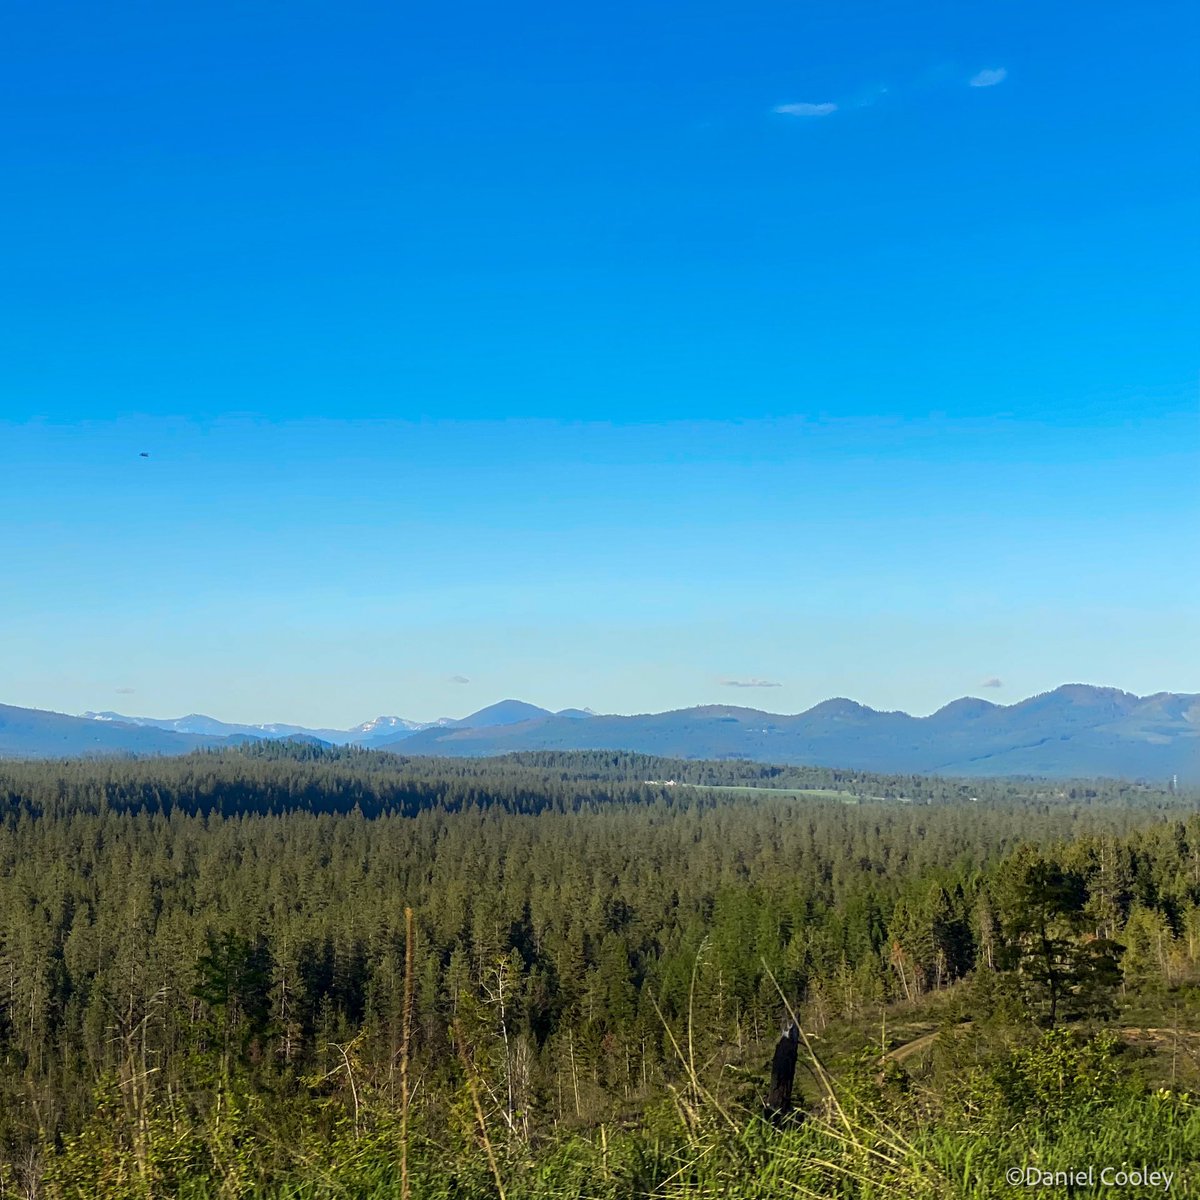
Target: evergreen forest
(296, 972)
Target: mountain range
(380, 731)
(1074, 731)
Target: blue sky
(596, 356)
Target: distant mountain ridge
(369, 733)
(1075, 730)
(32, 733)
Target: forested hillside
(353, 974)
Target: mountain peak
(504, 712)
(386, 723)
(838, 707)
(1091, 691)
(1084, 696)
(965, 708)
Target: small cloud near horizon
(459, 679)
(992, 681)
(989, 77)
(750, 683)
(124, 691)
(805, 110)
(869, 96)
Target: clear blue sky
(597, 355)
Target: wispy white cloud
(805, 110)
(989, 77)
(992, 681)
(750, 683)
(459, 679)
(946, 75)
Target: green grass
(1056, 1101)
(851, 1153)
(981, 1101)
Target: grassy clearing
(788, 793)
